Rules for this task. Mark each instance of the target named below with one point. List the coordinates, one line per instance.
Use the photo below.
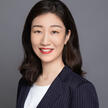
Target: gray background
(91, 17)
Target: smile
(45, 50)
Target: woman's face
(48, 37)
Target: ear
(67, 37)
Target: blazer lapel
(53, 93)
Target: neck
(51, 70)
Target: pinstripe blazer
(68, 90)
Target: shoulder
(83, 91)
(78, 83)
(75, 80)
(22, 83)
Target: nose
(45, 40)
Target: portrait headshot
(52, 75)
(53, 54)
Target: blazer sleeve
(84, 96)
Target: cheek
(59, 41)
(35, 44)
(34, 41)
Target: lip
(45, 48)
(44, 52)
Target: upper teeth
(46, 50)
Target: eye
(55, 32)
(37, 31)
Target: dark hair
(31, 66)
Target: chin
(47, 59)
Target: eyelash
(55, 32)
(37, 31)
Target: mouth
(46, 50)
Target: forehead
(48, 19)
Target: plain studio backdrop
(91, 17)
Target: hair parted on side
(31, 66)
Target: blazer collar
(54, 91)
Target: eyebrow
(50, 26)
(56, 26)
(37, 26)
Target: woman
(51, 70)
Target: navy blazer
(68, 90)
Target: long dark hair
(31, 66)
